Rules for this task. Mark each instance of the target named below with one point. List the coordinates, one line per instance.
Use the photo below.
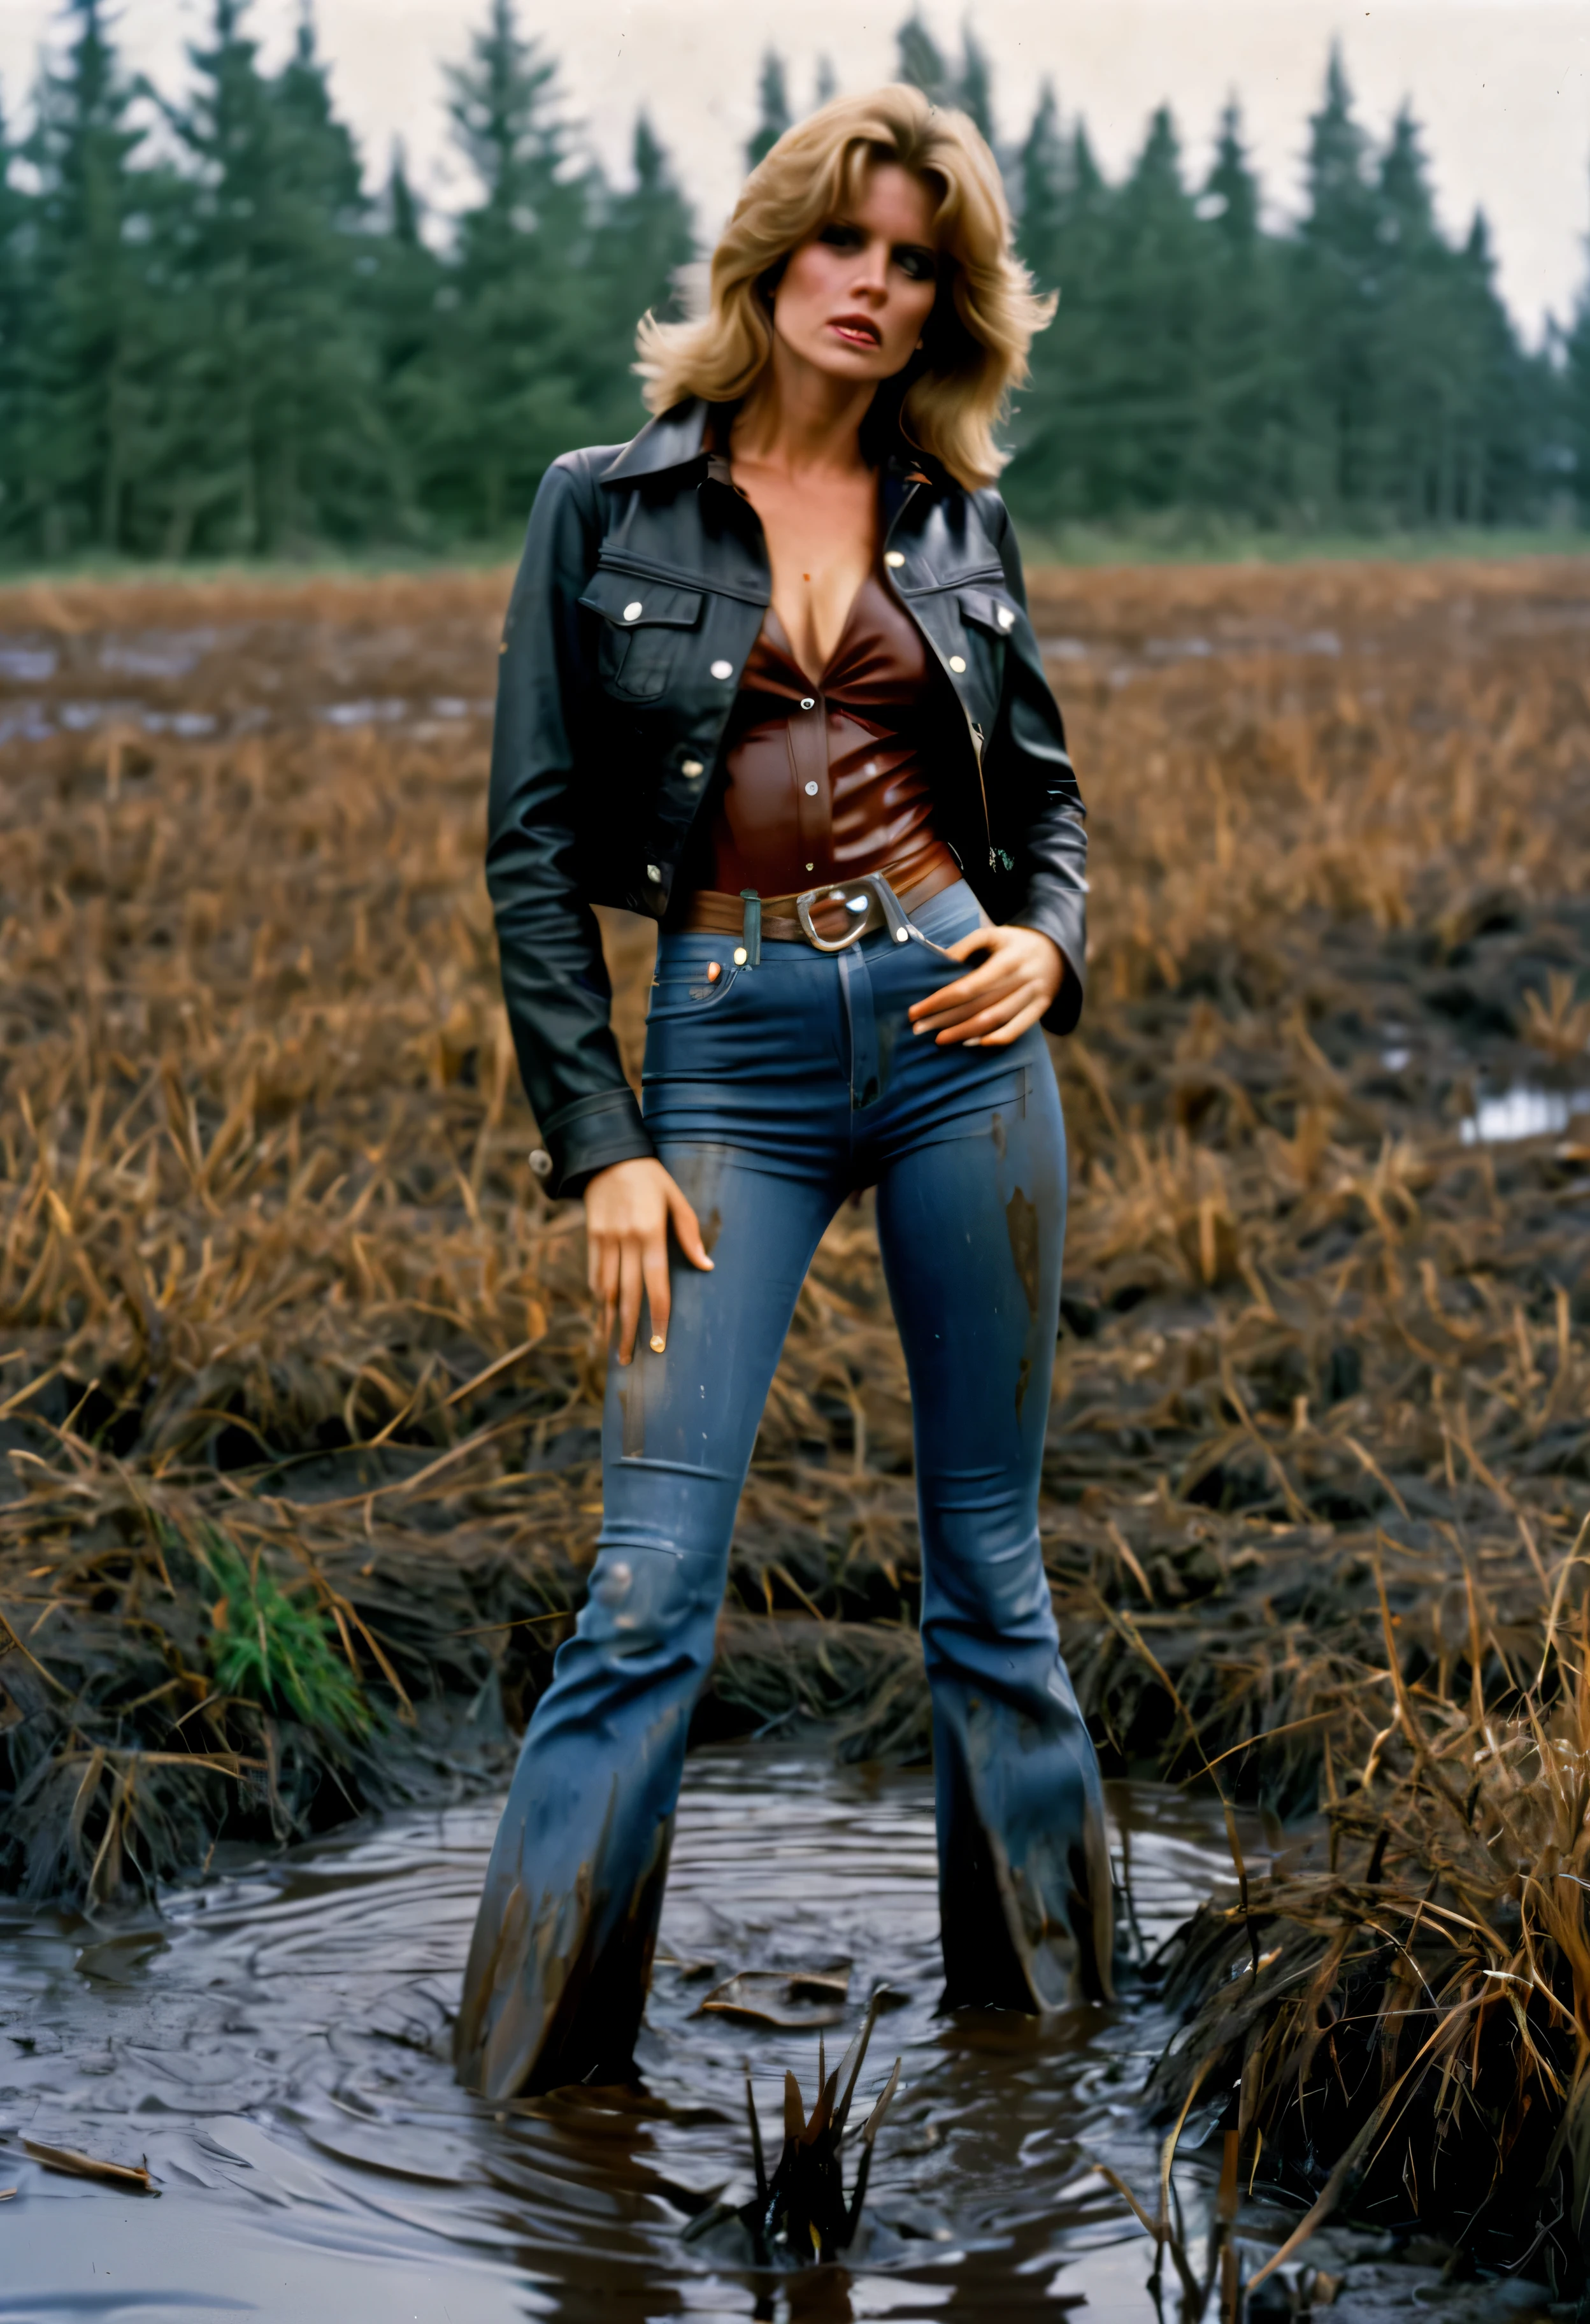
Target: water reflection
(1525, 1110)
(277, 2048)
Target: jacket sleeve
(1053, 861)
(555, 978)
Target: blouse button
(811, 790)
(807, 703)
(894, 556)
(633, 610)
(1006, 617)
(692, 767)
(722, 669)
(652, 872)
(957, 663)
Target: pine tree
(1510, 462)
(1067, 211)
(974, 84)
(1042, 177)
(773, 116)
(1575, 400)
(646, 237)
(1157, 316)
(401, 297)
(16, 218)
(920, 60)
(327, 156)
(274, 434)
(82, 366)
(825, 83)
(502, 392)
(1340, 264)
(1421, 375)
(1241, 459)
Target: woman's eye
(917, 265)
(840, 237)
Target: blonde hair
(949, 398)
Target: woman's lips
(856, 331)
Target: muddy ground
(294, 1353)
(283, 1307)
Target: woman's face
(853, 301)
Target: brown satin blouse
(827, 780)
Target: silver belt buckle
(871, 899)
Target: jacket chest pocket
(642, 624)
(987, 618)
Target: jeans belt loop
(751, 935)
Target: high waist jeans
(772, 1091)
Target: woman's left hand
(1014, 985)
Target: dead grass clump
(1402, 2016)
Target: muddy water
(276, 2047)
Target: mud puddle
(276, 2046)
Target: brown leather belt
(712, 910)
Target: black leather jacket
(642, 588)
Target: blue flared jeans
(772, 1092)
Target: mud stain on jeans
(1020, 1222)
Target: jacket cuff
(589, 1136)
(1063, 924)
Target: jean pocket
(687, 992)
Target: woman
(767, 676)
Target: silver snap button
(1006, 617)
(957, 663)
(811, 790)
(633, 610)
(740, 955)
(722, 669)
(807, 703)
(541, 1163)
(895, 556)
(692, 767)
(652, 872)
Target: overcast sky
(1502, 86)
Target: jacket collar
(676, 438)
(672, 440)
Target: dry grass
(1401, 2018)
(272, 1262)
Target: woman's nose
(873, 273)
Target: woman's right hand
(628, 1208)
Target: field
(296, 1378)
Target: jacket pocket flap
(990, 610)
(632, 604)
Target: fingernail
(657, 1344)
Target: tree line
(217, 339)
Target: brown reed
(272, 1261)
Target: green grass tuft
(274, 1647)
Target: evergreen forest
(220, 337)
